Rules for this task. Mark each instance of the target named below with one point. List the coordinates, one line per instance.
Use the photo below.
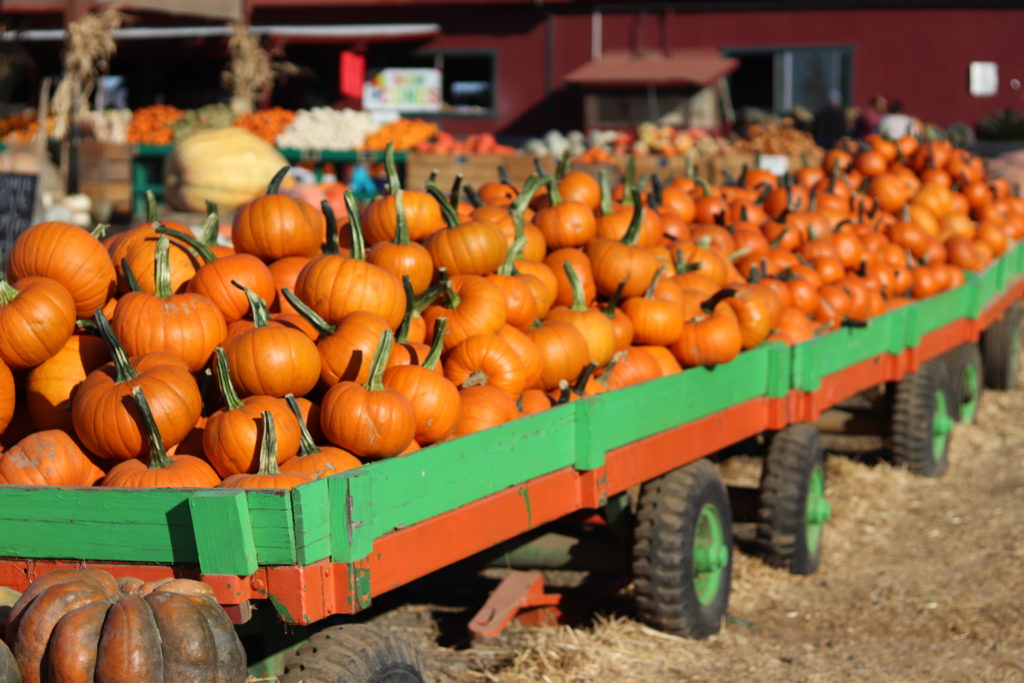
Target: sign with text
(17, 201)
(404, 90)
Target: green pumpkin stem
(275, 183)
(451, 216)
(306, 444)
(162, 268)
(123, 369)
(100, 231)
(680, 264)
(355, 227)
(579, 302)
(456, 192)
(394, 183)
(210, 228)
(580, 387)
(629, 183)
(613, 300)
(427, 298)
(472, 196)
(402, 336)
(633, 233)
(260, 316)
(323, 328)
(649, 294)
(191, 242)
(437, 345)
(556, 196)
(268, 445)
(331, 246)
(503, 175)
(564, 392)
(515, 252)
(151, 212)
(224, 383)
(401, 224)
(522, 200)
(158, 458)
(538, 167)
(380, 362)
(657, 188)
(129, 276)
(452, 298)
(718, 297)
(564, 165)
(605, 184)
(606, 373)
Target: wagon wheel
(965, 371)
(354, 653)
(922, 421)
(793, 510)
(1000, 349)
(682, 551)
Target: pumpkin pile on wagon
(318, 342)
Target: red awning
(696, 66)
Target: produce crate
(717, 165)
(476, 169)
(105, 174)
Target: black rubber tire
(913, 413)
(353, 653)
(793, 456)
(957, 361)
(663, 551)
(1002, 360)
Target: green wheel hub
(970, 390)
(710, 554)
(942, 425)
(817, 510)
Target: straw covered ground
(922, 580)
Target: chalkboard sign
(17, 200)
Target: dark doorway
(752, 84)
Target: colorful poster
(405, 90)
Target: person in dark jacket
(830, 121)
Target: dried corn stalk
(89, 49)
(253, 69)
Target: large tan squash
(227, 166)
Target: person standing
(830, 121)
(896, 124)
(870, 116)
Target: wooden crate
(732, 163)
(105, 174)
(476, 169)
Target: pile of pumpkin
(155, 358)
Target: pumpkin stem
(394, 183)
(503, 175)
(553, 192)
(564, 165)
(564, 391)
(437, 345)
(738, 254)
(260, 317)
(191, 242)
(268, 445)
(331, 247)
(477, 378)
(718, 297)
(100, 231)
(688, 169)
(580, 387)
(210, 228)
(613, 300)
(162, 268)
(129, 276)
(380, 361)
(578, 296)
(158, 458)
(451, 216)
(649, 294)
(123, 369)
(657, 188)
(451, 296)
(355, 227)
(472, 196)
(606, 191)
(275, 183)
(606, 373)
(432, 178)
(401, 224)
(306, 444)
(522, 200)
(456, 191)
(539, 167)
(224, 383)
(323, 328)
(402, 336)
(424, 300)
(681, 264)
(150, 207)
(507, 266)
(629, 183)
(633, 234)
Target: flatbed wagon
(329, 547)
